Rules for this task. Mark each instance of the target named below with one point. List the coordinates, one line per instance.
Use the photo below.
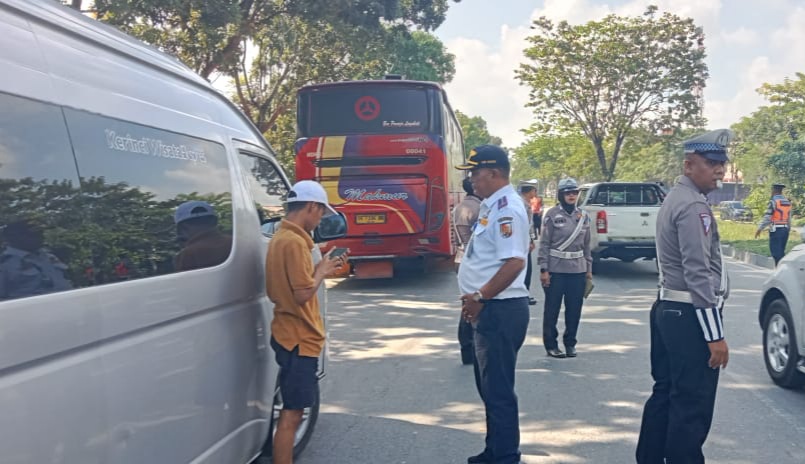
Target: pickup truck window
(625, 195)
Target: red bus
(385, 152)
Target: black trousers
(465, 340)
(570, 288)
(499, 334)
(677, 416)
(528, 272)
(537, 223)
(777, 242)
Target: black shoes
(556, 353)
(531, 301)
(482, 458)
(571, 351)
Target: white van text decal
(153, 147)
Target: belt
(567, 254)
(678, 296)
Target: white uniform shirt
(500, 233)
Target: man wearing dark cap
(778, 219)
(197, 229)
(687, 335)
(494, 298)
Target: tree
(475, 132)
(209, 35)
(608, 77)
(552, 157)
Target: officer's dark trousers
(465, 340)
(677, 416)
(570, 288)
(528, 270)
(777, 241)
(499, 334)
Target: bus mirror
(330, 228)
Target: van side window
(267, 187)
(153, 201)
(41, 238)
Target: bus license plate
(370, 218)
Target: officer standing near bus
(687, 335)
(494, 298)
(778, 220)
(528, 191)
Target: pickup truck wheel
(780, 346)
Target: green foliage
(606, 78)
(475, 132)
(742, 237)
(551, 157)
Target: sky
(748, 43)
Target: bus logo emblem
(367, 108)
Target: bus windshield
(368, 109)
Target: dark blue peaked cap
(711, 145)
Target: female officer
(565, 264)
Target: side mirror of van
(330, 228)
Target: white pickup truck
(624, 218)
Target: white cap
(308, 190)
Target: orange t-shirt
(536, 205)
(289, 267)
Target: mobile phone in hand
(338, 252)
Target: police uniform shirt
(689, 252)
(501, 233)
(558, 226)
(530, 218)
(767, 217)
(24, 273)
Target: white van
(109, 351)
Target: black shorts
(299, 384)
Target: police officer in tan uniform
(687, 335)
(565, 263)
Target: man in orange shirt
(297, 331)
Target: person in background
(297, 330)
(565, 262)
(778, 220)
(203, 245)
(688, 345)
(26, 267)
(536, 214)
(465, 215)
(494, 298)
(528, 191)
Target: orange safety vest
(781, 211)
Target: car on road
(782, 319)
(624, 215)
(734, 211)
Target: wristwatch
(477, 296)
(542, 270)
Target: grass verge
(741, 235)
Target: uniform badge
(483, 221)
(503, 202)
(505, 229)
(707, 221)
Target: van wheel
(780, 346)
(303, 433)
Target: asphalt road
(396, 392)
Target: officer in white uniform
(494, 298)
(687, 335)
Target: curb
(748, 257)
